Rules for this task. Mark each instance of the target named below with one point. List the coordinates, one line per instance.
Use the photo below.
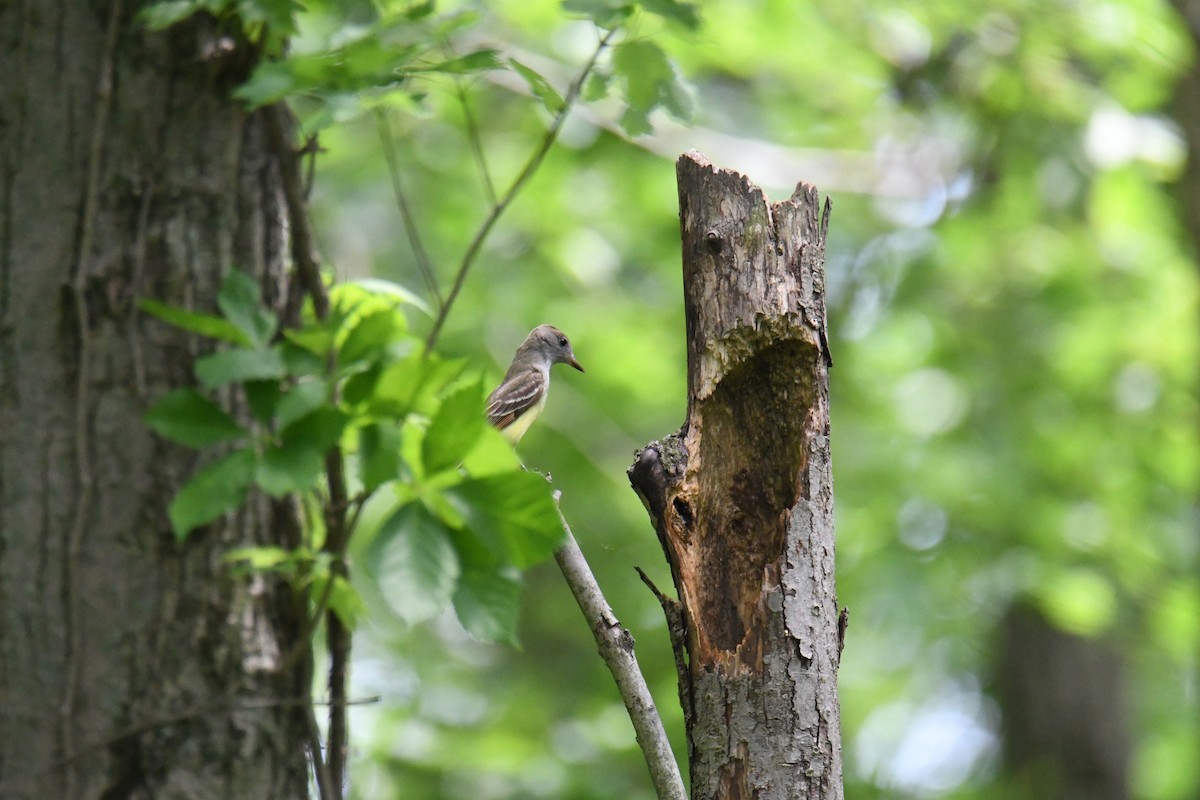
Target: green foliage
(218, 488)
(413, 423)
(187, 417)
(1011, 311)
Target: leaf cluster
(460, 515)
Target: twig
(308, 267)
(616, 648)
(476, 142)
(526, 173)
(325, 787)
(677, 631)
(424, 264)
(337, 636)
(304, 248)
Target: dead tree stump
(742, 495)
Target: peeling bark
(742, 495)
(130, 666)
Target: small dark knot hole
(713, 241)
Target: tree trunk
(130, 666)
(1062, 702)
(742, 496)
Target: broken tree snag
(742, 495)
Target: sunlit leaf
(454, 430)
(540, 87)
(368, 338)
(492, 454)
(512, 513)
(648, 81)
(419, 567)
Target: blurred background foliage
(1013, 319)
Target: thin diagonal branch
(476, 142)
(616, 648)
(424, 264)
(531, 166)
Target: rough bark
(742, 496)
(130, 666)
(1065, 722)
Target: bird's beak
(576, 364)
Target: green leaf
(605, 13)
(301, 400)
(359, 387)
(209, 325)
(270, 82)
(512, 513)
(540, 87)
(296, 462)
(491, 455)
(686, 14)
(343, 599)
(368, 338)
(165, 14)
(187, 417)
(649, 82)
(240, 365)
(419, 566)
(478, 61)
(379, 454)
(317, 339)
(392, 291)
(454, 429)
(240, 302)
(278, 15)
(261, 559)
(318, 430)
(300, 362)
(414, 383)
(596, 87)
(216, 489)
(287, 468)
(263, 397)
(487, 602)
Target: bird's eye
(562, 341)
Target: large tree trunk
(742, 496)
(1063, 705)
(130, 666)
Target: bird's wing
(514, 397)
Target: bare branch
(616, 648)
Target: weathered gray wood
(742, 496)
(129, 666)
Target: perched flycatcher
(520, 397)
